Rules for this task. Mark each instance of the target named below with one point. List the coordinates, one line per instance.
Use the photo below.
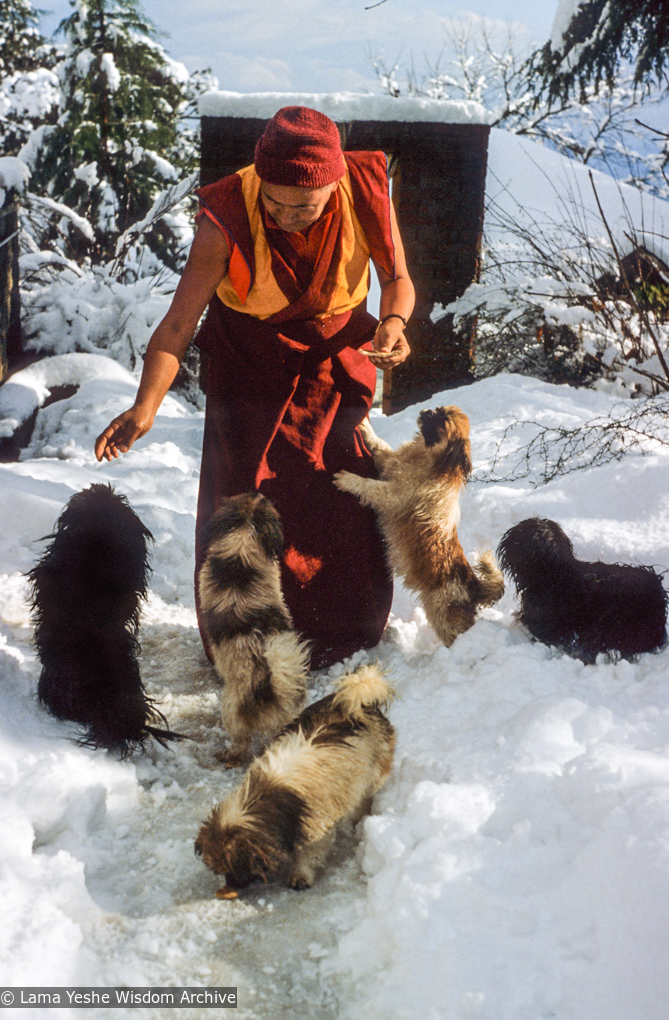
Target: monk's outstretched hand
(122, 432)
(390, 345)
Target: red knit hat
(300, 148)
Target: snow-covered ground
(531, 186)
(516, 865)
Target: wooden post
(439, 175)
(10, 321)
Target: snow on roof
(344, 106)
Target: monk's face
(294, 209)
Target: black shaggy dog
(582, 608)
(87, 591)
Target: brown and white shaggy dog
(322, 769)
(257, 654)
(417, 500)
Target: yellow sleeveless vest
(265, 298)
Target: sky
(318, 45)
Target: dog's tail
(287, 657)
(490, 578)
(366, 688)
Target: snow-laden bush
(122, 136)
(29, 86)
(105, 134)
(591, 39)
(83, 309)
(27, 98)
(70, 308)
(73, 305)
(560, 301)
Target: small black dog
(582, 608)
(87, 591)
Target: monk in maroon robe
(281, 257)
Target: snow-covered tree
(29, 89)
(20, 40)
(592, 39)
(117, 143)
(599, 127)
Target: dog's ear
(251, 855)
(267, 525)
(285, 814)
(453, 458)
(232, 514)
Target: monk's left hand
(391, 344)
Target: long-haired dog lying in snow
(582, 608)
(322, 769)
(257, 654)
(87, 591)
(417, 500)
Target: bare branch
(557, 451)
(641, 312)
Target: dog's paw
(374, 443)
(345, 481)
(232, 759)
(301, 880)
(368, 434)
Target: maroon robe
(284, 398)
